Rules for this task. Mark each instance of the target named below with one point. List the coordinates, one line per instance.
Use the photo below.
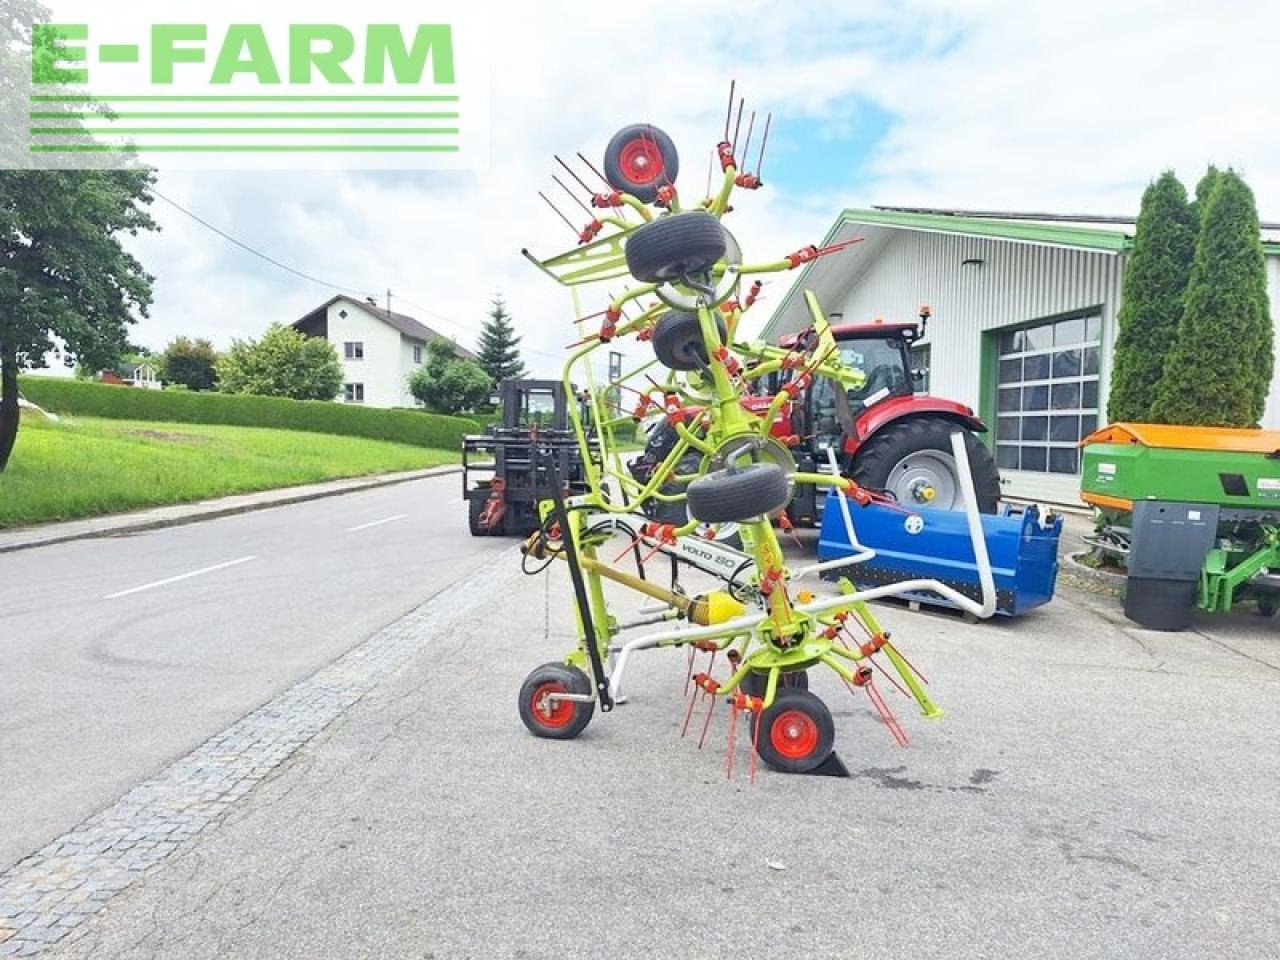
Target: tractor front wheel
(912, 460)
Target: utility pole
(388, 301)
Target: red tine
(707, 725)
(567, 221)
(569, 170)
(764, 140)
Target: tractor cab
(886, 435)
(882, 351)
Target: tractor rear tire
(675, 245)
(563, 719)
(738, 494)
(678, 343)
(639, 159)
(876, 461)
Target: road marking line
(376, 523)
(181, 576)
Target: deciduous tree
(283, 363)
(192, 363)
(449, 385)
(64, 274)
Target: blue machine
(1022, 546)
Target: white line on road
(376, 523)
(181, 576)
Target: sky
(1027, 105)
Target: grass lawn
(85, 467)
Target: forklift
(514, 458)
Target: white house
(142, 375)
(379, 349)
(1024, 320)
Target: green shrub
(313, 416)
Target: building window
(353, 349)
(417, 353)
(353, 392)
(1047, 394)
(920, 356)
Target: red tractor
(887, 437)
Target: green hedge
(314, 416)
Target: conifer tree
(498, 350)
(1219, 370)
(1155, 279)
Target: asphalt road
(1093, 791)
(120, 654)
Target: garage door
(1046, 401)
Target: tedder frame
(686, 303)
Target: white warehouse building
(1024, 320)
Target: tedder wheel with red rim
(796, 733)
(640, 159)
(555, 719)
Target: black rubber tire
(1266, 607)
(656, 145)
(678, 343)
(675, 245)
(569, 717)
(876, 459)
(738, 494)
(815, 723)
(754, 684)
(475, 507)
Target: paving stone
(46, 894)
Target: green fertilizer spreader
(1193, 512)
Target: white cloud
(1013, 105)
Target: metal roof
(1100, 234)
(409, 326)
(1023, 230)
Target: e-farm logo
(229, 89)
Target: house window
(353, 392)
(920, 356)
(353, 349)
(417, 353)
(1047, 394)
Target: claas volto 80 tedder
(678, 276)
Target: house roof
(130, 370)
(1112, 235)
(402, 322)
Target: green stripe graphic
(245, 148)
(225, 98)
(242, 115)
(210, 131)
